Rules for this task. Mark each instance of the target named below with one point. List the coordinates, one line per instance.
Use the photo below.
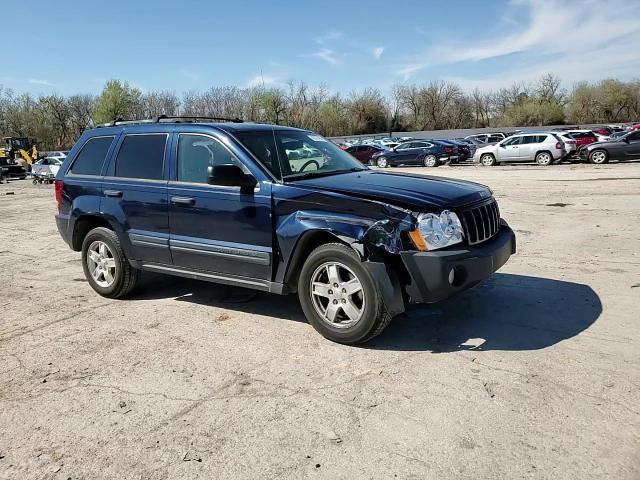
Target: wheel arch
(83, 225)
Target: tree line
(56, 121)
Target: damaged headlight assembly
(436, 231)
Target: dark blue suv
(276, 209)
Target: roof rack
(170, 119)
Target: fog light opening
(457, 276)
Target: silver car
(542, 148)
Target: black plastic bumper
(431, 271)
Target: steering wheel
(306, 164)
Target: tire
(368, 301)
(382, 162)
(35, 182)
(430, 161)
(599, 156)
(124, 275)
(487, 160)
(544, 159)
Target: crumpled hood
(420, 192)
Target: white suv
(542, 148)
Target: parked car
(57, 155)
(582, 137)
(417, 152)
(465, 150)
(542, 148)
(626, 147)
(488, 137)
(223, 202)
(570, 145)
(47, 165)
(364, 152)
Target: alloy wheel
(430, 161)
(598, 157)
(101, 263)
(337, 295)
(544, 159)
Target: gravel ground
(534, 374)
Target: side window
(533, 139)
(511, 141)
(90, 159)
(141, 156)
(196, 153)
(634, 137)
(495, 138)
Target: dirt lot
(535, 374)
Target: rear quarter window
(141, 156)
(91, 158)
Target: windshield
(296, 154)
(22, 143)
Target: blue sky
(75, 46)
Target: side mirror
(230, 175)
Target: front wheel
(488, 160)
(430, 161)
(339, 296)
(382, 162)
(599, 157)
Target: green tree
(118, 100)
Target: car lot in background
(416, 152)
(542, 148)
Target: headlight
(437, 231)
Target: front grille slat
(481, 222)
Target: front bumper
(430, 271)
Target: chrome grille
(481, 222)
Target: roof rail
(170, 119)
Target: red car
(364, 152)
(635, 126)
(582, 137)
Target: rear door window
(141, 156)
(91, 158)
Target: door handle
(113, 193)
(184, 201)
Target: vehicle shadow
(507, 312)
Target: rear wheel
(488, 160)
(430, 161)
(599, 157)
(382, 162)
(339, 297)
(105, 265)
(544, 159)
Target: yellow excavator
(17, 154)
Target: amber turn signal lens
(418, 241)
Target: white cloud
(591, 42)
(328, 36)
(263, 81)
(377, 52)
(328, 56)
(38, 81)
